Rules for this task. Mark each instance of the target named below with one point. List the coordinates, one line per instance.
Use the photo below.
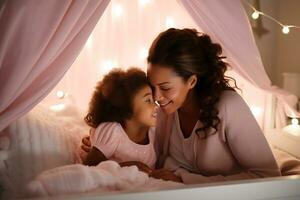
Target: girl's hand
(86, 144)
(166, 175)
(141, 166)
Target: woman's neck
(188, 114)
(191, 105)
(136, 132)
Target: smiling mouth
(165, 104)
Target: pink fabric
(111, 139)
(238, 150)
(38, 43)
(228, 24)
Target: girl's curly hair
(189, 52)
(113, 96)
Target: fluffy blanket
(42, 139)
(106, 177)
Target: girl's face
(170, 90)
(144, 108)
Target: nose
(157, 95)
(156, 105)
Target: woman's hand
(166, 175)
(141, 166)
(86, 144)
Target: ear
(192, 81)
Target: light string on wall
(257, 13)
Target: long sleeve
(245, 141)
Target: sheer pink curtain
(227, 23)
(39, 40)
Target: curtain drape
(228, 24)
(39, 41)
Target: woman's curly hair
(189, 52)
(113, 96)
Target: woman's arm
(141, 166)
(94, 157)
(166, 175)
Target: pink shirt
(238, 150)
(111, 139)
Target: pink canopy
(39, 41)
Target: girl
(121, 114)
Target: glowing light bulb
(106, 66)
(144, 2)
(256, 111)
(57, 107)
(143, 53)
(170, 22)
(255, 15)
(89, 42)
(117, 10)
(109, 64)
(295, 121)
(285, 29)
(60, 94)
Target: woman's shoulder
(230, 98)
(231, 102)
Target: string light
(170, 23)
(107, 65)
(144, 2)
(57, 107)
(285, 29)
(256, 111)
(143, 53)
(117, 10)
(295, 121)
(89, 43)
(60, 94)
(256, 13)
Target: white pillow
(42, 139)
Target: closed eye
(165, 89)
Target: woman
(205, 131)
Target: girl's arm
(94, 157)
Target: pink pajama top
(238, 150)
(111, 139)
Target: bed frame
(287, 188)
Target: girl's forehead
(144, 91)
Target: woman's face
(170, 90)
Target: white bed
(44, 139)
(286, 188)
